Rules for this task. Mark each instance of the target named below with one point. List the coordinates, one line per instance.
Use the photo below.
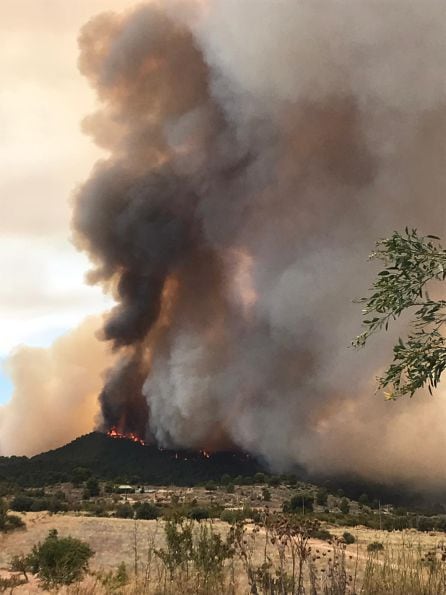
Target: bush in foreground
(348, 538)
(9, 522)
(59, 560)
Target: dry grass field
(132, 542)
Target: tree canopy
(412, 266)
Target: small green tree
(348, 538)
(179, 545)
(20, 564)
(364, 500)
(198, 513)
(322, 496)
(92, 487)
(411, 264)
(209, 553)
(344, 506)
(301, 503)
(22, 503)
(147, 511)
(59, 560)
(8, 522)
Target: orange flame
(115, 433)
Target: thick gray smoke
(257, 150)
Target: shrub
(11, 583)
(230, 488)
(209, 553)
(55, 505)
(198, 513)
(124, 511)
(364, 500)
(59, 561)
(114, 581)
(147, 511)
(322, 534)
(91, 488)
(348, 538)
(375, 546)
(13, 522)
(96, 508)
(232, 516)
(179, 545)
(301, 502)
(344, 506)
(322, 496)
(211, 486)
(8, 522)
(20, 564)
(22, 503)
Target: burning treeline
(256, 151)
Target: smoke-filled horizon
(256, 153)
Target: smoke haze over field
(257, 150)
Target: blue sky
(5, 385)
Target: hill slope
(122, 459)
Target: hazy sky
(43, 156)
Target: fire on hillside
(115, 433)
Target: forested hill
(124, 460)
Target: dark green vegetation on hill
(126, 461)
(99, 457)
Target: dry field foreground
(116, 540)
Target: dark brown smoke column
(137, 216)
(256, 151)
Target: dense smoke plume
(257, 150)
(55, 396)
